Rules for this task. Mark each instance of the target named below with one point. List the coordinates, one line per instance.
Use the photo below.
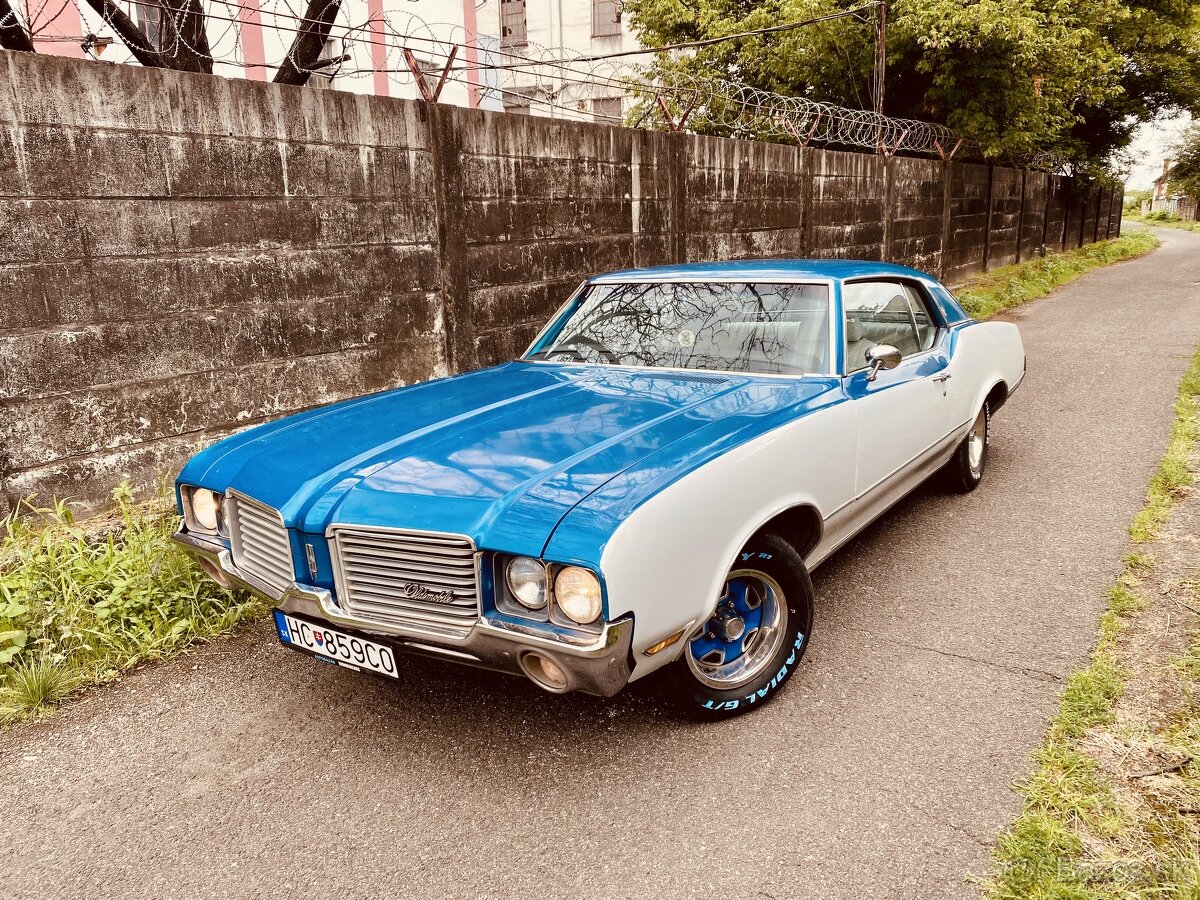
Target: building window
(149, 18)
(325, 69)
(431, 73)
(606, 18)
(607, 110)
(512, 23)
(517, 99)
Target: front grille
(259, 542)
(419, 580)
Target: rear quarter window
(949, 307)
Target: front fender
(666, 563)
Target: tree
(181, 41)
(306, 48)
(13, 35)
(1159, 47)
(1185, 174)
(1015, 75)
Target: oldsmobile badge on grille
(425, 595)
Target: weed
(1011, 286)
(81, 605)
(35, 683)
(1162, 217)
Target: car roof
(763, 270)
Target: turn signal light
(664, 643)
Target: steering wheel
(594, 344)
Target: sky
(1151, 144)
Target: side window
(884, 312)
(926, 330)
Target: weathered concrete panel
(1005, 218)
(1057, 204)
(848, 198)
(915, 215)
(969, 205)
(105, 418)
(1033, 218)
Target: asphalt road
(942, 639)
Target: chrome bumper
(595, 664)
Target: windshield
(771, 329)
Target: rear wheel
(965, 469)
(750, 646)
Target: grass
(1164, 218)
(1174, 476)
(1085, 832)
(1001, 289)
(79, 606)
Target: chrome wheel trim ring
(761, 644)
(977, 441)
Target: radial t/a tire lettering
(752, 644)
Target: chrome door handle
(940, 377)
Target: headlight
(577, 592)
(527, 581)
(205, 507)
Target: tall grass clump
(79, 605)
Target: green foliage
(1010, 286)
(79, 606)
(1160, 216)
(1134, 199)
(1185, 173)
(35, 683)
(1173, 222)
(1016, 75)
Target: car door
(903, 414)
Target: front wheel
(965, 469)
(750, 646)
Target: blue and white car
(647, 488)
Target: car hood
(501, 454)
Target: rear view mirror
(881, 356)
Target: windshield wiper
(554, 351)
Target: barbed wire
(550, 80)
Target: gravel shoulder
(943, 636)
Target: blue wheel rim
(740, 639)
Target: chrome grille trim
(259, 541)
(372, 566)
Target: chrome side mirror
(881, 356)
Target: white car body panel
(851, 461)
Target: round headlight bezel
(582, 602)
(205, 508)
(535, 569)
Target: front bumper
(595, 664)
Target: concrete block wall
(918, 206)
(965, 252)
(1004, 226)
(183, 256)
(1033, 215)
(848, 202)
(545, 203)
(743, 199)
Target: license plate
(332, 645)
